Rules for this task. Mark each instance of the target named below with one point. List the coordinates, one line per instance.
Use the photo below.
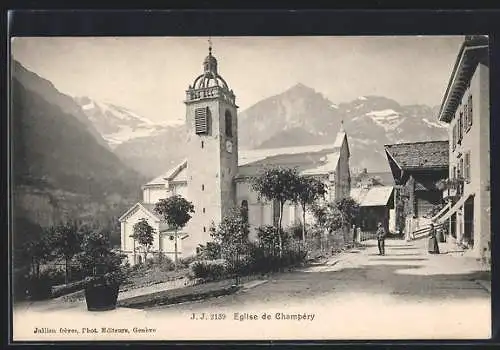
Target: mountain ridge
(302, 116)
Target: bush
(294, 231)
(210, 251)
(40, 287)
(188, 260)
(209, 270)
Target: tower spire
(210, 46)
(342, 126)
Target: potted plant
(105, 271)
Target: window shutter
(201, 120)
(470, 110)
(461, 168)
(466, 116)
(460, 127)
(454, 136)
(467, 166)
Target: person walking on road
(381, 233)
(433, 247)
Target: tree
(176, 211)
(231, 234)
(68, 238)
(309, 190)
(144, 234)
(40, 250)
(339, 214)
(280, 185)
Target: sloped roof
(251, 156)
(309, 160)
(372, 197)
(473, 50)
(377, 196)
(358, 193)
(149, 208)
(169, 175)
(417, 155)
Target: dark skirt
(433, 247)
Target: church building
(216, 175)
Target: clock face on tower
(229, 146)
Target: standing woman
(433, 243)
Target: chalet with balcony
(465, 108)
(417, 168)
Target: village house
(417, 168)
(215, 176)
(376, 204)
(465, 108)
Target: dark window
(229, 124)
(203, 187)
(201, 120)
(244, 210)
(202, 144)
(203, 210)
(204, 229)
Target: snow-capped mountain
(117, 124)
(297, 117)
(302, 116)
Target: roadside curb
(485, 284)
(253, 284)
(162, 298)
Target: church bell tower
(212, 151)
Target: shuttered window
(201, 120)
(469, 105)
(467, 167)
(460, 127)
(454, 136)
(466, 116)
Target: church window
(229, 124)
(276, 212)
(203, 187)
(204, 229)
(202, 144)
(201, 120)
(244, 210)
(203, 210)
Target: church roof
(177, 172)
(309, 160)
(148, 207)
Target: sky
(149, 75)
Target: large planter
(101, 297)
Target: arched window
(244, 210)
(229, 124)
(140, 259)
